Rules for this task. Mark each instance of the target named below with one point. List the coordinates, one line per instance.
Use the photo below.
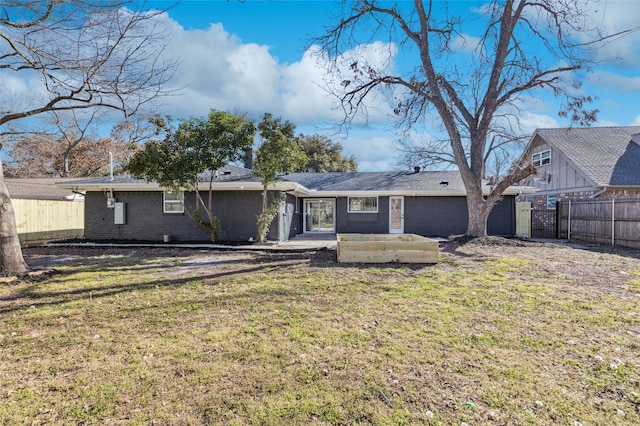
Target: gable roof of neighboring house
(608, 156)
(41, 189)
(432, 183)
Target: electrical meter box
(120, 213)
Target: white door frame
(401, 229)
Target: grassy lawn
(506, 335)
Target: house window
(173, 202)
(541, 158)
(363, 204)
(552, 200)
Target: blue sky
(259, 51)
(257, 56)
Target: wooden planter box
(386, 248)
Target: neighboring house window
(173, 202)
(552, 200)
(541, 158)
(363, 204)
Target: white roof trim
(290, 187)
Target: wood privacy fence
(48, 219)
(606, 221)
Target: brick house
(428, 203)
(582, 163)
(579, 164)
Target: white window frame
(171, 202)
(552, 202)
(363, 205)
(540, 159)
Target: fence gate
(523, 219)
(543, 223)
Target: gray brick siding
(146, 221)
(237, 210)
(428, 216)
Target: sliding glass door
(319, 215)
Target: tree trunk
(263, 215)
(265, 199)
(478, 216)
(11, 260)
(478, 210)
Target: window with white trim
(173, 202)
(541, 158)
(363, 204)
(552, 201)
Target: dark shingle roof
(444, 183)
(379, 181)
(607, 155)
(225, 174)
(232, 174)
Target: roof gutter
(599, 193)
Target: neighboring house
(41, 189)
(44, 210)
(582, 163)
(429, 203)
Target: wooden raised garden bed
(386, 248)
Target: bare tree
(73, 130)
(84, 54)
(131, 135)
(475, 93)
(75, 149)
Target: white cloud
(605, 123)
(219, 71)
(635, 122)
(465, 43)
(615, 82)
(305, 94)
(530, 121)
(357, 67)
(373, 148)
(614, 17)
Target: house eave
(203, 186)
(289, 187)
(108, 185)
(440, 192)
(607, 187)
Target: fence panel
(48, 219)
(603, 221)
(543, 223)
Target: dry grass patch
(490, 335)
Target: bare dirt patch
(601, 265)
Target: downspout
(569, 223)
(111, 166)
(599, 193)
(613, 221)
